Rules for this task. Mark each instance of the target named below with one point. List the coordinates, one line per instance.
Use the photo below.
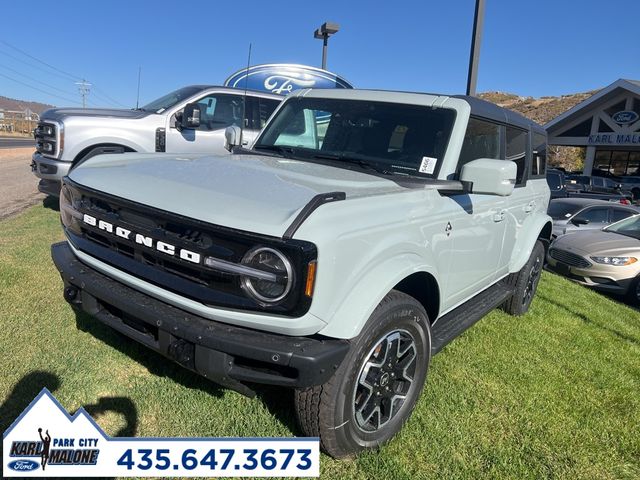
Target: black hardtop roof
(484, 109)
(491, 111)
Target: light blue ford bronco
(359, 234)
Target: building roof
(629, 85)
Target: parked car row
(582, 186)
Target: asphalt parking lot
(18, 186)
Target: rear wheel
(525, 282)
(374, 391)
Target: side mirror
(190, 117)
(577, 221)
(490, 176)
(232, 137)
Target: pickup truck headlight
(619, 261)
(276, 284)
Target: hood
(598, 242)
(62, 113)
(253, 193)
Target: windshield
(562, 210)
(629, 227)
(388, 137)
(170, 99)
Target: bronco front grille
(569, 258)
(192, 280)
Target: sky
(529, 47)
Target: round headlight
(271, 261)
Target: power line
(60, 73)
(33, 66)
(36, 80)
(38, 89)
(73, 77)
(100, 93)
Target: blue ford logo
(23, 465)
(625, 117)
(282, 78)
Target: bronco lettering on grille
(143, 240)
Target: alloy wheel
(385, 380)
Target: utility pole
(474, 57)
(83, 88)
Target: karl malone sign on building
(282, 78)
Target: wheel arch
(422, 286)
(406, 273)
(99, 149)
(540, 230)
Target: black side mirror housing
(579, 221)
(190, 117)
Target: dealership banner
(45, 441)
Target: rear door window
(618, 214)
(539, 161)
(516, 151)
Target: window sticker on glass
(428, 165)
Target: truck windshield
(170, 99)
(392, 138)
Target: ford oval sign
(283, 78)
(23, 465)
(625, 117)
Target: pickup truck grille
(189, 279)
(569, 258)
(47, 139)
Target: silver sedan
(607, 259)
(579, 214)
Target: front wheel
(633, 295)
(525, 282)
(374, 391)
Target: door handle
(529, 208)
(498, 217)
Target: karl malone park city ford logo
(284, 78)
(625, 117)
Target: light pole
(324, 32)
(474, 57)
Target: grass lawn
(553, 394)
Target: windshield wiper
(283, 151)
(364, 164)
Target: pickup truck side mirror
(490, 176)
(577, 221)
(190, 117)
(232, 136)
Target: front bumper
(599, 277)
(226, 354)
(50, 172)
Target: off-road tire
(525, 282)
(328, 411)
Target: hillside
(13, 104)
(542, 110)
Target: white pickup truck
(67, 136)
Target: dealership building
(608, 125)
